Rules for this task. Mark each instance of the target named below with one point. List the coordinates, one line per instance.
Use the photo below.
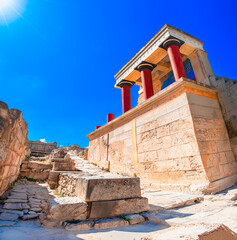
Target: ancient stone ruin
(39, 148)
(13, 141)
(182, 134)
(176, 148)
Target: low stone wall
(35, 170)
(39, 148)
(13, 142)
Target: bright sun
(10, 10)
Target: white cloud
(43, 140)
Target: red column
(126, 98)
(126, 85)
(110, 117)
(147, 83)
(96, 127)
(145, 68)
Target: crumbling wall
(39, 148)
(13, 142)
(227, 93)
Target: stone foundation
(13, 141)
(177, 139)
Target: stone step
(16, 200)
(20, 213)
(30, 216)
(8, 217)
(12, 206)
(107, 209)
(7, 223)
(100, 189)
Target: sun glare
(10, 10)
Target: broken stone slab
(8, 217)
(101, 189)
(134, 219)
(81, 226)
(7, 223)
(30, 216)
(67, 208)
(25, 206)
(110, 223)
(16, 200)
(36, 209)
(106, 209)
(47, 223)
(12, 206)
(19, 213)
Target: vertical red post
(176, 62)
(126, 85)
(145, 68)
(110, 117)
(147, 83)
(126, 98)
(96, 127)
(172, 46)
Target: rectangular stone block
(106, 209)
(58, 166)
(100, 189)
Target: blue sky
(58, 61)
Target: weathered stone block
(100, 189)
(135, 219)
(66, 166)
(110, 223)
(81, 226)
(67, 208)
(105, 209)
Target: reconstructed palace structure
(182, 135)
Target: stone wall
(35, 170)
(13, 142)
(40, 148)
(176, 140)
(227, 93)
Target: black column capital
(171, 41)
(145, 65)
(125, 82)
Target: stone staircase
(104, 195)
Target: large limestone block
(100, 189)
(38, 166)
(67, 208)
(66, 166)
(105, 209)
